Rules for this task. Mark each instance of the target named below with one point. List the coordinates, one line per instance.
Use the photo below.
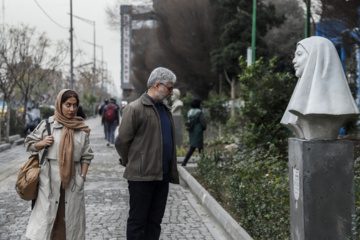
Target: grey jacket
(140, 141)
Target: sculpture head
(176, 94)
(321, 100)
(300, 60)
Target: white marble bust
(177, 104)
(322, 100)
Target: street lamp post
(93, 24)
(102, 61)
(307, 23)
(71, 48)
(94, 67)
(253, 35)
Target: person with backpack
(110, 119)
(101, 109)
(196, 125)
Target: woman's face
(69, 107)
(300, 60)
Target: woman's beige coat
(43, 215)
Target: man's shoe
(108, 144)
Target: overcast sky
(57, 28)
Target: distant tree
(186, 36)
(344, 15)
(27, 59)
(234, 21)
(282, 40)
(146, 57)
(26, 63)
(7, 86)
(113, 11)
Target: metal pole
(253, 35)
(71, 48)
(307, 22)
(94, 71)
(3, 10)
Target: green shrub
(253, 186)
(46, 112)
(213, 172)
(356, 223)
(266, 94)
(259, 189)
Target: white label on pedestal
(296, 181)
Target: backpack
(190, 122)
(110, 112)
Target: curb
(5, 146)
(225, 220)
(19, 141)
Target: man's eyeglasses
(169, 88)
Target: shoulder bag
(28, 178)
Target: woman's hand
(48, 141)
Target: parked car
(33, 118)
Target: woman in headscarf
(196, 134)
(59, 210)
(322, 100)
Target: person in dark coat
(196, 134)
(112, 123)
(80, 112)
(106, 102)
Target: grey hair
(162, 75)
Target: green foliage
(234, 19)
(216, 109)
(214, 173)
(46, 112)
(253, 186)
(260, 192)
(356, 223)
(266, 94)
(87, 102)
(180, 151)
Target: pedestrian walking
(59, 210)
(101, 109)
(196, 132)
(110, 119)
(147, 150)
(80, 112)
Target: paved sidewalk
(106, 199)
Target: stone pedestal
(322, 195)
(179, 129)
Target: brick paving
(106, 197)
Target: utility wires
(49, 15)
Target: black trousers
(147, 208)
(188, 155)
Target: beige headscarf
(66, 145)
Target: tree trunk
(2, 117)
(232, 86)
(26, 100)
(8, 122)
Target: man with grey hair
(147, 150)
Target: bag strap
(47, 147)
